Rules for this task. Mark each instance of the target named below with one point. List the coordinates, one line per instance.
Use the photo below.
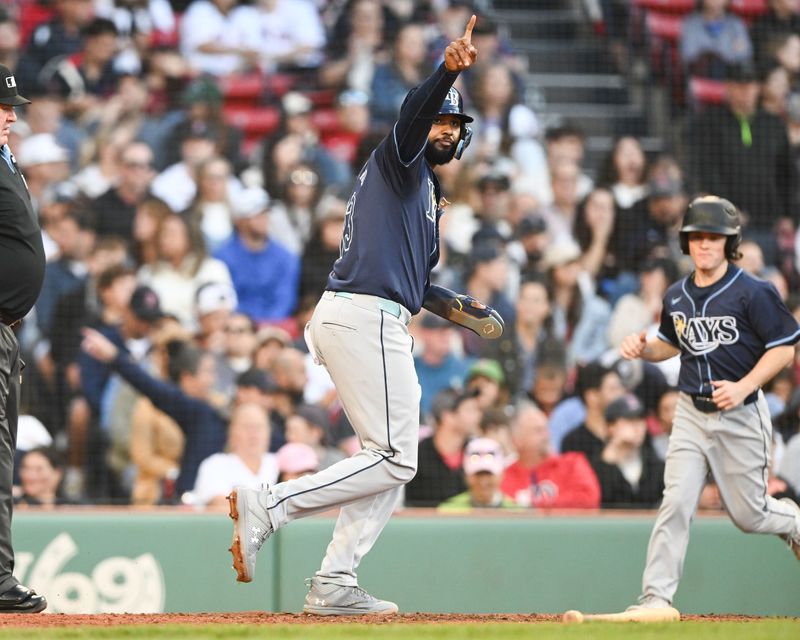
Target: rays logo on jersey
(704, 335)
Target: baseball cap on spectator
(487, 233)
(352, 97)
(483, 252)
(281, 336)
(249, 203)
(314, 415)
(8, 89)
(665, 185)
(628, 406)
(496, 178)
(449, 400)
(202, 89)
(432, 321)
(258, 378)
(296, 457)
(483, 454)
(489, 369)
(215, 296)
(145, 304)
(331, 207)
(561, 253)
(743, 72)
(531, 225)
(295, 103)
(41, 148)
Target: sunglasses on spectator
(137, 164)
(304, 177)
(238, 330)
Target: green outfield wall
(88, 561)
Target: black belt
(707, 405)
(9, 321)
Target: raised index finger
(468, 30)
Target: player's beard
(436, 156)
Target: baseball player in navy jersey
(733, 333)
(359, 333)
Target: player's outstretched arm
(636, 345)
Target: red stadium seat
(665, 26)
(253, 121)
(325, 120)
(706, 91)
(748, 9)
(667, 6)
(242, 87)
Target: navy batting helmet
(453, 105)
(713, 215)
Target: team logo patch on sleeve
(704, 335)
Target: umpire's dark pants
(9, 410)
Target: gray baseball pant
(363, 342)
(735, 445)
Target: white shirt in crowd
(221, 472)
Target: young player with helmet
(733, 333)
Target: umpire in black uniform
(21, 274)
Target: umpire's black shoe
(20, 599)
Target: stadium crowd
(191, 163)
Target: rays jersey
(723, 330)
(391, 230)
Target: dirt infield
(260, 618)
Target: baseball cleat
(251, 528)
(793, 540)
(326, 599)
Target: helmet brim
(708, 228)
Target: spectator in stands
(580, 317)
(483, 465)
(270, 341)
(624, 172)
(723, 143)
(649, 229)
(533, 239)
(177, 184)
(660, 425)
(186, 398)
(439, 366)
(40, 473)
(202, 101)
(183, 266)
(358, 42)
(549, 384)
(563, 143)
(561, 212)
(711, 38)
(264, 273)
(46, 115)
(439, 476)
(540, 479)
(150, 214)
(214, 304)
(292, 218)
(87, 78)
(45, 164)
(322, 249)
(286, 35)
(309, 424)
(407, 67)
(597, 386)
(60, 36)
(116, 208)
(351, 125)
(486, 377)
(101, 157)
(245, 462)
(594, 225)
(295, 460)
(630, 473)
(775, 88)
(210, 41)
(74, 234)
(240, 332)
(781, 17)
(10, 41)
(211, 208)
(784, 48)
(504, 124)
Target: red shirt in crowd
(565, 481)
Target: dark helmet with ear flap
(713, 215)
(453, 105)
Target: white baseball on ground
(572, 617)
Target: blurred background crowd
(191, 163)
